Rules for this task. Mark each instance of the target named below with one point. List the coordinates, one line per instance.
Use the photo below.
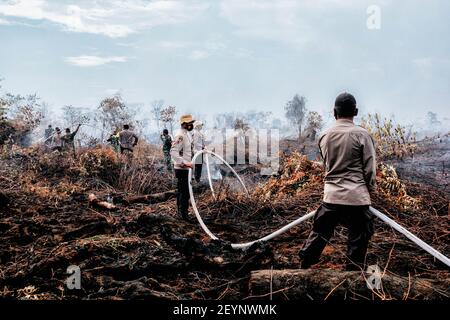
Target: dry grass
(143, 250)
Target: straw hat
(187, 118)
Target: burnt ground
(430, 167)
(145, 251)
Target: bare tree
(73, 116)
(157, 106)
(168, 117)
(314, 123)
(25, 110)
(225, 120)
(433, 119)
(295, 112)
(257, 119)
(25, 115)
(113, 113)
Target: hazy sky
(229, 55)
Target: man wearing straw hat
(181, 153)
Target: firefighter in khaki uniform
(181, 153)
(348, 154)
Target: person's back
(347, 151)
(167, 141)
(48, 132)
(57, 139)
(69, 139)
(167, 145)
(57, 142)
(48, 135)
(127, 139)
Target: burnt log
(342, 285)
(96, 203)
(151, 198)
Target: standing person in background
(114, 141)
(48, 134)
(167, 145)
(348, 154)
(57, 142)
(199, 144)
(127, 140)
(181, 154)
(69, 139)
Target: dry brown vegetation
(143, 250)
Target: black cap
(345, 100)
(345, 104)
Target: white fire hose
(282, 230)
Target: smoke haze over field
(215, 56)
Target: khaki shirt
(348, 152)
(57, 140)
(182, 149)
(127, 139)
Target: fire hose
(438, 255)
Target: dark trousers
(183, 191)
(198, 172)
(123, 149)
(358, 221)
(168, 160)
